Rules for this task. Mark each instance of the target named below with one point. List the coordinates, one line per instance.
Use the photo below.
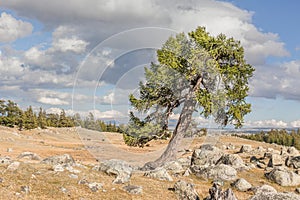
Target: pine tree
(30, 121)
(41, 120)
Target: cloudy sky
(89, 55)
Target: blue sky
(88, 55)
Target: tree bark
(178, 134)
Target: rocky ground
(74, 163)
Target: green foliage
(200, 72)
(11, 115)
(281, 137)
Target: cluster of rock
(208, 162)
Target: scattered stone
(264, 189)
(58, 168)
(13, 166)
(185, 162)
(159, 173)
(83, 182)
(246, 148)
(230, 147)
(185, 191)
(29, 155)
(73, 176)
(133, 189)
(216, 193)
(261, 165)
(64, 190)
(64, 159)
(293, 151)
(276, 160)
(283, 177)
(206, 155)
(72, 170)
(9, 150)
(5, 160)
(275, 196)
(1, 180)
(241, 185)
(94, 187)
(260, 149)
(233, 160)
(121, 169)
(25, 189)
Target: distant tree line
(281, 137)
(11, 115)
(95, 124)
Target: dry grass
(44, 183)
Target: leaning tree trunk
(178, 134)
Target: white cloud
(52, 101)
(70, 44)
(295, 124)
(12, 29)
(272, 123)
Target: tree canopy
(195, 72)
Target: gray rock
(293, 162)
(174, 167)
(5, 160)
(275, 196)
(133, 189)
(159, 173)
(222, 172)
(29, 155)
(83, 182)
(264, 189)
(293, 151)
(58, 168)
(185, 191)
(13, 166)
(233, 160)
(246, 148)
(242, 185)
(65, 159)
(283, 177)
(73, 176)
(25, 189)
(216, 193)
(276, 160)
(119, 168)
(207, 155)
(94, 187)
(9, 150)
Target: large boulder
(233, 160)
(241, 185)
(246, 148)
(283, 177)
(275, 196)
(185, 191)
(64, 159)
(264, 189)
(293, 151)
(159, 173)
(293, 162)
(119, 168)
(206, 155)
(174, 167)
(29, 155)
(221, 172)
(276, 160)
(216, 193)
